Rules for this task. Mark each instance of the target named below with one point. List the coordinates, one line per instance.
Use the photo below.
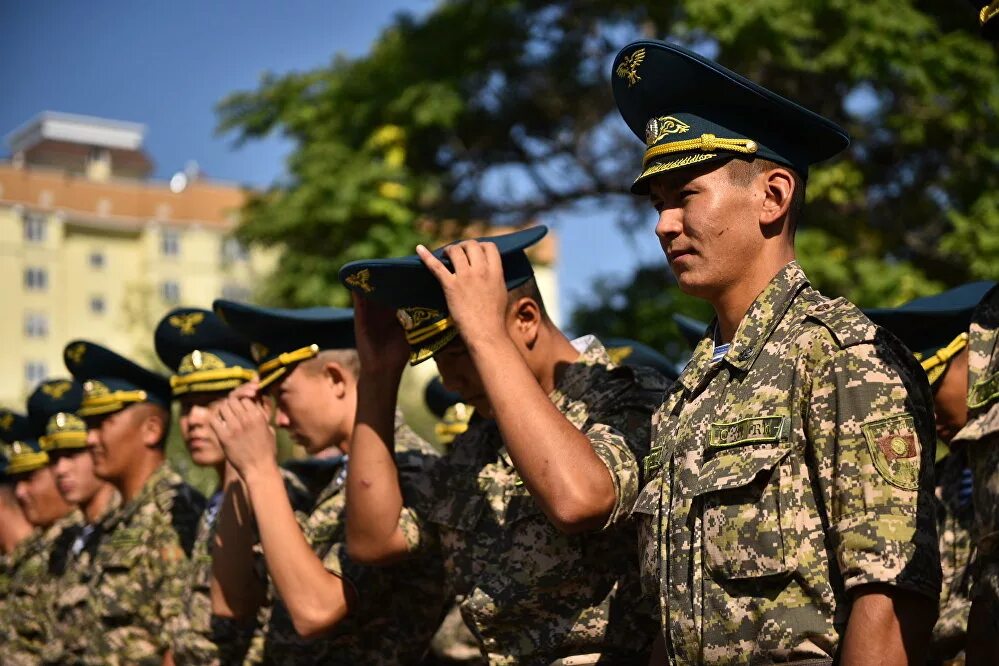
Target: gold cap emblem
(658, 128)
(362, 280)
(76, 352)
(628, 68)
(258, 351)
(187, 322)
(56, 389)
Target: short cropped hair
(742, 172)
(528, 290)
(346, 358)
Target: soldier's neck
(733, 302)
(95, 507)
(14, 528)
(131, 485)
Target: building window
(34, 228)
(235, 292)
(36, 325)
(35, 372)
(97, 305)
(169, 243)
(97, 260)
(233, 250)
(170, 291)
(36, 279)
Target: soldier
(14, 527)
(787, 514)
(52, 408)
(25, 617)
(530, 509)
(209, 359)
(936, 328)
(980, 436)
(140, 566)
(329, 610)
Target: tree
(501, 111)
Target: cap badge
(199, 360)
(187, 322)
(258, 351)
(658, 128)
(93, 388)
(412, 318)
(628, 69)
(362, 280)
(76, 352)
(56, 389)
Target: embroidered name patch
(746, 431)
(895, 449)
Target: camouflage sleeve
(173, 572)
(870, 424)
(418, 464)
(621, 432)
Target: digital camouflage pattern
(27, 586)
(197, 643)
(955, 515)
(981, 438)
(532, 594)
(782, 477)
(67, 640)
(399, 607)
(139, 572)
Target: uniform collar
(764, 315)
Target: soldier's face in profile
(707, 226)
(458, 374)
(39, 498)
(312, 404)
(74, 474)
(112, 439)
(196, 411)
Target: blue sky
(166, 65)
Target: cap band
(209, 381)
(28, 461)
(989, 11)
(937, 363)
(97, 399)
(418, 335)
(706, 143)
(280, 363)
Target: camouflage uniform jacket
(783, 476)
(67, 641)
(399, 607)
(139, 572)
(980, 436)
(954, 519)
(532, 594)
(36, 564)
(202, 640)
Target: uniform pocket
(741, 513)
(646, 515)
(119, 589)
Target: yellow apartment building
(91, 247)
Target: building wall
(120, 266)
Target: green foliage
(501, 111)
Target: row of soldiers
(777, 502)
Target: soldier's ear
(524, 319)
(153, 426)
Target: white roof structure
(72, 128)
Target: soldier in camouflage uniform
(980, 437)
(788, 511)
(936, 329)
(209, 359)
(15, 529)
(529, 509)
(40, 558)
(330, 611)
(140, 567)
(52, 411)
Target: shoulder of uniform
(843, 320)
(634, 386)
(178, 495)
